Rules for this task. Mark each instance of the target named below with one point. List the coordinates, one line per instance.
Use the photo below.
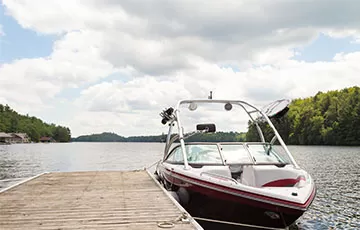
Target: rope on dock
(152, 165)
(237, 224)
(183, 218)
(166, 225)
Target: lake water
(336, 171)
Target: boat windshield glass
(235, 154)
(265, 154)
(203, 154)
(196, 154)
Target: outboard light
(192, 106)
(228, 106)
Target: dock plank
(90, 200)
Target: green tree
(11, 121)
(331, 118)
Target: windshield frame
(245, 145)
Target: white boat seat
(220, 170)
(270, 176)
(248, 176)
(236, 170)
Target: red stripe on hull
(284, 182)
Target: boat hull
(213, 208)
(209, 200)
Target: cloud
(343, 33)
(138, 102)
(164, 51)
(158, 38)
(137, 95)
(74, 62)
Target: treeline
(112, 137)
(331, 118)
(12, 122)
(218, 137)
(102, 137)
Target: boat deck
(91, 200)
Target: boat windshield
(251, 154)
(203, 154)
(239, 153)
(236, 154)
(196, 154)
(265, 154)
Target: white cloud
(343, 33)
(137, 95)
(52, 17)
(74, 62)
(173, 50)
(157, 37)
(137, 103)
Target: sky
(112, 66)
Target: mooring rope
(236, 224)
(183, 218)
(152, 165)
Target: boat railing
(219, 176)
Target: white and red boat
(222, 178)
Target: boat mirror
(210, 128)
(276, 109)
(192, 106)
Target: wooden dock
(91, 200)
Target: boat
(230, 180)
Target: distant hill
(331, 118)
(12, 122)
(102, 137)
(112, 137)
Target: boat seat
(248, 176)
(270, 176)
(220, 170)
(236, 170)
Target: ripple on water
(335, 171)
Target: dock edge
(191, 219)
